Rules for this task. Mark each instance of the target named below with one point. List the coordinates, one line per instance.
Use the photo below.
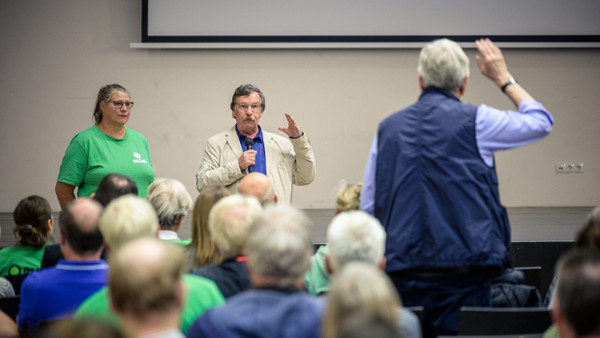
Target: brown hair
(104, 95)
(31, 218)
(348, 197)
(201, 240)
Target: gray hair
(443, 64)
(355, 236)
(170, 199)
(229, 221)
(279, 244)
(245, 90)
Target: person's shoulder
(197, 283)
(134, 134)
(220, 137)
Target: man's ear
(463, 87)
(62, 239)
(420, 80)
(328, 264)
(382, 263)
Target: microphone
(249, 143)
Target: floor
(528, 224)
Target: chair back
(503, 321)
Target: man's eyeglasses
(119, 104)
(244, 107)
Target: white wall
(56, 55)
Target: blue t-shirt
(56, 292)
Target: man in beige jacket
(246, 148)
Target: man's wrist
(293, 138)
(508, 83)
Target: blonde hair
(359, 288)
(229, 220)
(202, 245)
(127, 218)
(348, 197)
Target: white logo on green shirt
(138, 158)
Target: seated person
(229, 221)
(360, 288)
(171, 201)
(125, 219)
(355, 236)
(578, 295)
(56, 292)
(33, 225)
(278, 249)
(110, 187)
(146, 288)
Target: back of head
(355, 236)
(229, 221)
(127, 218)
(201, 239)
(589, 236)
(443, 64)
(31, 218)
(79, 226)
(359, 288)
(144, 278)
(259, 186)
(170, 199)
(279, 245)
(578, 291)
(112, 186)
(348, 197)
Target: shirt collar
(258, 137)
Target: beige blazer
(288, 162)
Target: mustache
(249, 118)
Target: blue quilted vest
(436, 198)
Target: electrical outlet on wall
(568, 167)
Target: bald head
(259, 186)
(144, 278)
(79, 226)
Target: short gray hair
(355, 236)
(443, 64)
(229, 221)
(170, 199)
(279, 244)
(127, 218)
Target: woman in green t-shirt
(33, 227)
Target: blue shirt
(56, 292)
(494, 130)
(260, 164)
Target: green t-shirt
(92, 154)
(316, 279)
(201, 294)
(20, 259)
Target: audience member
(33, 225)
(359, 288)
(172, 202)
(355, 236)
(201, 251)
(56, 292)
(259, 186)
(317, 278)
(278, 249)
(6, 288)
(146, 288)
(367, 326)
(229, 221)
(246, 147)
(110, 187)
(8, 327)
(576, 312)
(88, 328)
(128, 218)
(435, 188)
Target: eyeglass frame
(244, 107)
(119, 104)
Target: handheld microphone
(248, 142)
